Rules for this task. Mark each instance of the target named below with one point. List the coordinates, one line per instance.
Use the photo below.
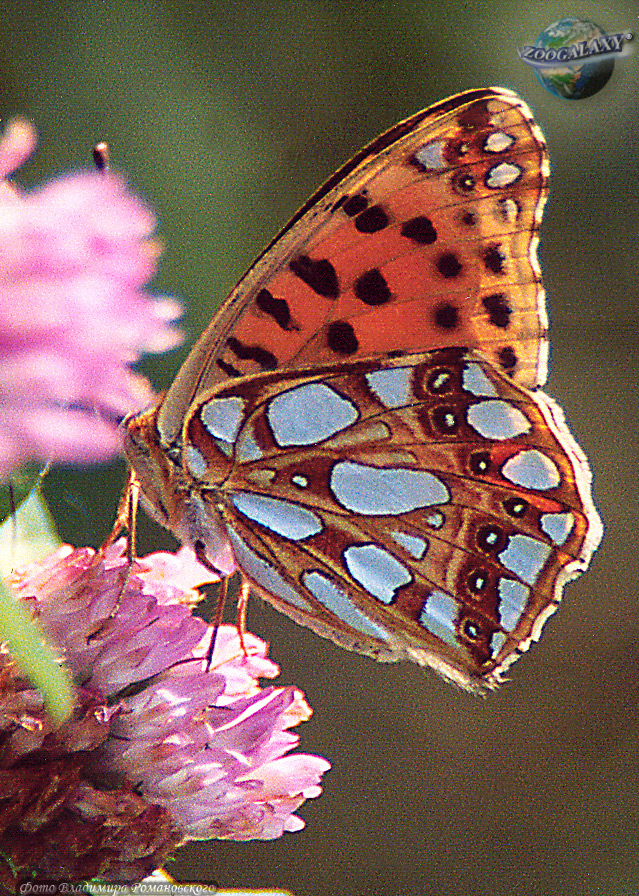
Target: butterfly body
(354, 431)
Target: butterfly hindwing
(423, 507)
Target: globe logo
(574, 58)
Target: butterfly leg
(126, 517)
(217, 619)
(242, 606)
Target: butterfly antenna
(102, 156)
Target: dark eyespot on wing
(355, 204)
(372, 220)
(498, 309)
(448, 265)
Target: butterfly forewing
(423, 507)
(427, 238)
(354, 430)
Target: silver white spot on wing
(513, 597)
(497, 419)
(286, 519)
(309, 414)
(435, 520)
(376, 570)
(195, 462)
(438, 616)
(246, 447)
(503, 175)
(338, 602)
(498, 141)
(431, 155)
(222, 417)
(532, 469)
(376, 492)
(525, 556)
(475, 381)
(497, 642)
(414, 545)
(508, 210)
(391, 386)
(263, 574)
(299, 480)
(557, 526)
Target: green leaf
(28, 535)
(35, 656)
(18, 489)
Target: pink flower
(75, 256)
(159, 751)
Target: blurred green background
(225, 116)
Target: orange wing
(426, 239)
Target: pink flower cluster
(75, 256)
(206, 749)
(160, 749)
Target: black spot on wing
(319, 274)
(372, 289)
(372, 220)
(446, 316)
(498, 309)
(448, 265)
(507, 358)
(265, 359)
(276, 308)
(420, 230)
(494, 259)
(355, 204)
(341, 338)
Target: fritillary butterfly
(355, 430)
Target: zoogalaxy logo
(574, 58)
(604, 47)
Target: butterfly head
(167, 491)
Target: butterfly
(360, 430)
